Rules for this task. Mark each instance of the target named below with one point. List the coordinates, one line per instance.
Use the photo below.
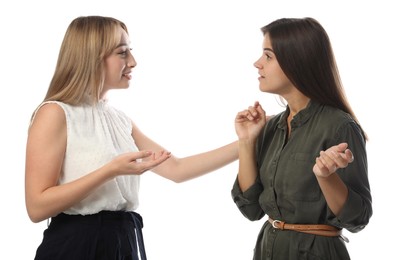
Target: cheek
(274, 80)
(114, 65)
(283, 78)
(114, 69)
(276, 72)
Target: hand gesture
(337, 156)
(137, 163)
(249, 122)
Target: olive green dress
(287, 189)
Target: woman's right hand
(249, 122)
(137, 163)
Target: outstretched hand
(249, 122)
(337, 156)
(137, 163)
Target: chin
(263, 88)
(266, 90)
(124, 86)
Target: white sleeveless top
(95, 135)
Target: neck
(297, 104)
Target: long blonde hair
(79, 74)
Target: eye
(124, 52)
(268, 56)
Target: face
(272, 79)
(119, 65)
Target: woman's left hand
(337, 156)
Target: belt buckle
(275, 222)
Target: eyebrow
(121, 44)
(268, 49)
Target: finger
(260, 110)
(245, 114)
(253, 112)
(338, 159)
(338, 148)
(155, 162)
(319, 163)
(341, 147)
(161, 154)
(343, 159)
(142, 154)
(328, 161)
(349, 155)
(321, 166)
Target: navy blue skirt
(107, 235)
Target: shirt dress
(286, 188)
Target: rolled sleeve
(357, 210)
(348, 219)
(248, 201)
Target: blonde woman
(84, 157)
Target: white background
(195, 72)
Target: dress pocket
(299, 182)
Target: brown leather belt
(316, 229)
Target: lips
(127, 75)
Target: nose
(131, 61)
(257, 64)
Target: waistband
(104, 216)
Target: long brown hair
(79, 73)
(304, 52)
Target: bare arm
(248, 124)
(333, 188)
(183, 169)
(247, 173)
(45, 152)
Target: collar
(301, 117)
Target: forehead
(267, 42)
(122, 37)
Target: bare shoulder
(48, 115)
(48, 130)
